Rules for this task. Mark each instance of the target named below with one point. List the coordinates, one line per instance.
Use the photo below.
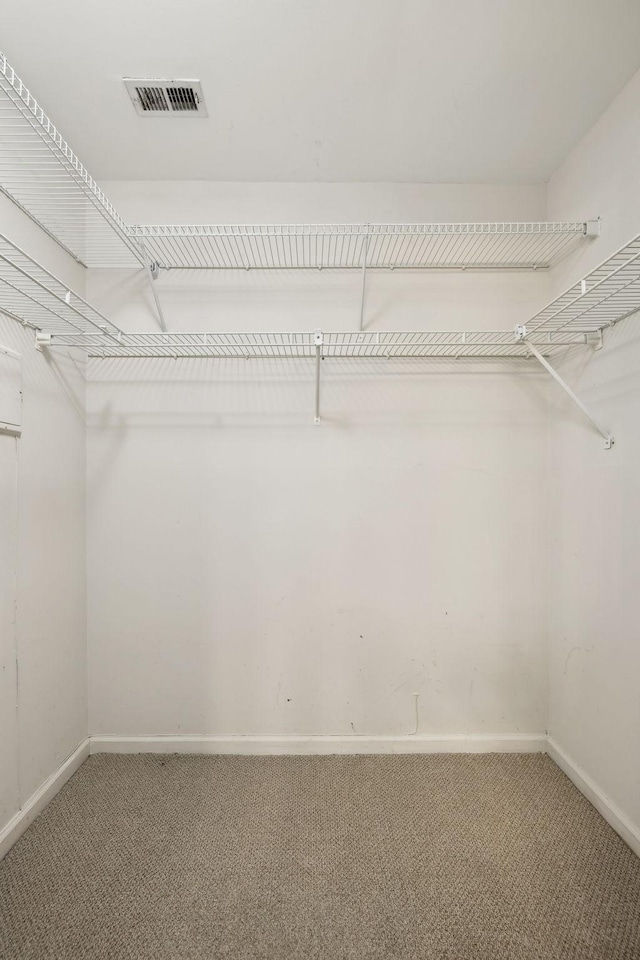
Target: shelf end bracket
(42, 339)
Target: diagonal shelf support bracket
(153, 272)
(318, 341)
(365, 252)
(521, 334)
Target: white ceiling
(493, 91)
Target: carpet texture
(494, 857)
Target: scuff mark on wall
(571, 652)
(416, 697)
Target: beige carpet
(458, 857)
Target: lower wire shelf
(368, 345)
(318, 346)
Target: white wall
(42, 509)
(251, 573)
(171, 201)
(594, 710)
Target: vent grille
(152, 98)
(182, 98)
(166, 97)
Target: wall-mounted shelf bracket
(521, 334)
(318, 340)
(153, 272)
(42, 340)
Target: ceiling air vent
(166, 98)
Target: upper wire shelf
(422, 246)
(41, 174)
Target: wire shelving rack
(32, 295)
(41, 174)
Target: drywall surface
(382, 573)
(171, 201)
(42, 570)
(601, 173)
(594, 508)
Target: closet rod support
(608, 438)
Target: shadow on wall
(200, 392)
(290, 300)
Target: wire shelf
(265, 346)
(36, 298)
(605, 296)
(351, 246)
(41, 174)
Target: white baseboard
(629, 832)
(256, 746)
(43, 795)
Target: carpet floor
(494, 857)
